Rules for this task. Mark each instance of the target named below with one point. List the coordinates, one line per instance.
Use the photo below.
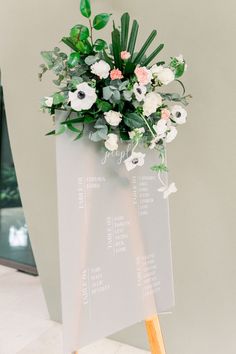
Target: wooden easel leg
(155, 336)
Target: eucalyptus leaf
(107, 93)
(85, 8)
(127, 95)
(90, 59)
(101, 20)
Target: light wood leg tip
(155, 336)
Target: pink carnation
(125, 55)
(143, 75)
(165, 113)
(116, 74)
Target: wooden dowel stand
(155, 336)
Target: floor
(24, 324)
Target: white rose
(152, 101)
(166, 76)
(111, 142)
(113, 118)
(101, 69)
(155, 69)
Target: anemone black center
(135, 161)
(139, 90)
(81, 95)
(178, 114)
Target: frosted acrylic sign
(115, 251)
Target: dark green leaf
(116, 46)
(79, 33)
(85, 8)
(72, 128)
(79, 135)
(108, 59)
(99, 45)
(53, 132)
(104, 106)
(133, 120)
(133, 37)
(75, 120)
(145, 47)
(153, 55)
(100, 21)
(125, 19)
(73, 59)
(89, 119)
(69, 43)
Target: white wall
(202, 160)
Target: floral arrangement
(116, 90)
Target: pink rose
(125, 55)
(143, 75)
(165, 113)
(116, 74)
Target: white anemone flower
(168, 190)
(171, 134)
(139, 91)
(111, 142)
(135, 159)
(113, 118)
(179, 114)
(152, 101)
(48, 101)
(83, 98)
(101, 69)
(161, 127)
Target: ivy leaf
(85, 8)
(58, 98)
(133, 120)
(79, 32)
(101, 20)
(159, 168)
(179, 70)
(99, 45)
(104, 106)
(73, 60)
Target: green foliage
(133, 120)
(133, 37)
(79, 33)
(103, 106)
(152, 56)
(85, 8)
(101, 20)
(116, 46)
(125, 20)
(73, 59)
(145, 47)
(159, 168)
(58, 98)
(99, 45)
